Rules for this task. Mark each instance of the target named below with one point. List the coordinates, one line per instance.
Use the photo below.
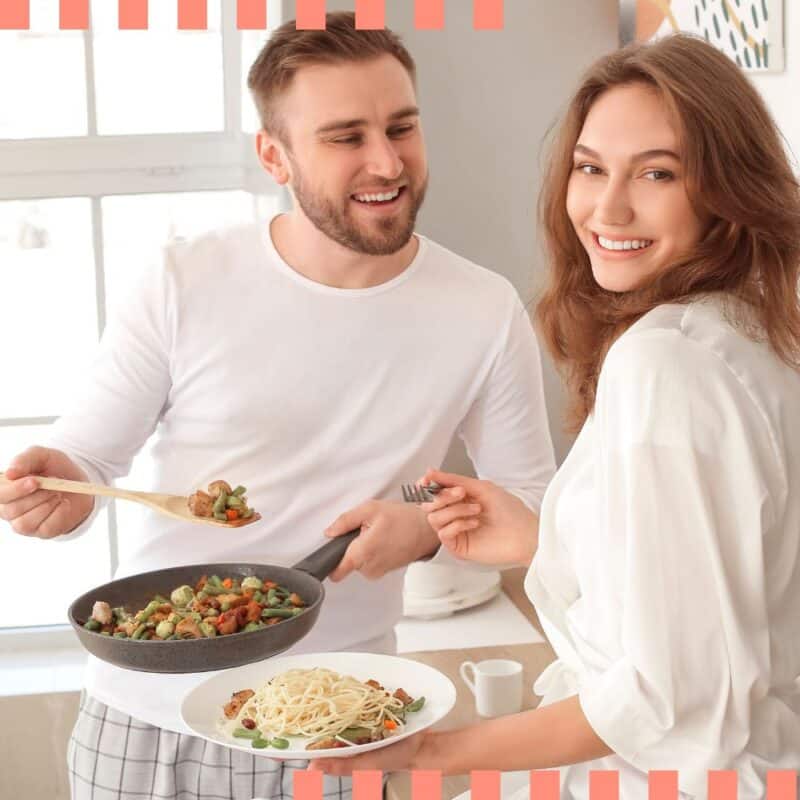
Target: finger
(450, 533)
(350, 520)
(30, 523)
(444, 516)
(59, 521)
(351, 562)
(11, 510)
(449, 479)
(32, 461)
(445, 498)
(13, 490)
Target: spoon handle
(81, 487)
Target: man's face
(356, 153)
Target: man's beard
(382, 238)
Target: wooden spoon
(173, 505)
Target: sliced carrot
(230, 513)
(389, 724)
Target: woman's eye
(588, 169)
(658, 175)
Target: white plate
(472, 588)
(201, 708)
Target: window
(105, 156)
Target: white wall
(781, 90)
(487, 100)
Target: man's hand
(37, 512)
(392, 536)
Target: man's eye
(352, 139)
(401, 130)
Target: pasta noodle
(321, 703)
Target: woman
(667, 569)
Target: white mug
(496, 684)
(429, 580)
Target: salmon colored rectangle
(370, 15)
(311, 15)
(73, 15)
(782, 784)
(545, 784)
(192, 15)
(133, 15)
(603, 784)
(426, 784)
(367, 784)
(251, 15)
(487, 15)
(662, 785)
(485, 785)
(722, 784)
(15, 15)
(307, 784)
(428, 15)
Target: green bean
(149, 609)
(213, 590)
(285, 613)
(137, 634)
(281, 744)
(239, 491)
(219, 503)
(215, 580)
(272, 597)
(247, 513)
(416, 705)
(260, 743)
(120, 635)
(220, 515)
(251, 626)
(105, 633)
(243, 733)
(92, 624)
(225, 606)
(235, 502)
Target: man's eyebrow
(643, 156)
(344, 124)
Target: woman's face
(627, 196)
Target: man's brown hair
(289, 49)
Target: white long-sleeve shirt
(668, 570)
(314, 398)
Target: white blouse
(668, 570)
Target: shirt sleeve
(685, 474)
(506, 431)
(121, 400)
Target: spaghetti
(335, 710)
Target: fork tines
(419, 494)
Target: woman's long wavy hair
(738, 178)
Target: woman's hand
(478, 521)
(394, 758)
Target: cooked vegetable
(221, 502)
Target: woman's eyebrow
(658, 152)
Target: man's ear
(272, 155)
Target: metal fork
(420, 494)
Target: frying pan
(220, 652)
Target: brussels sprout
(182, 596)
(252, 583)
(164, 629)
(209, 631)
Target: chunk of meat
(215, 488)
(238, 699)
(102, 612)
(188, 629)
(296, 600)
(201, 504)
(324, 744)
(403, 697)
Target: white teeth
(627, 244)
(377, 198)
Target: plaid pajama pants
(112, 756)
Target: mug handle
(462, 670)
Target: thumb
(32, 461)
(450, 480)
(349, 521)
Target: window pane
(48, 316)
(160, 80)
(161, 218)
(43, 88)
(64, 569)
(252, 42)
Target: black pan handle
(325, 559)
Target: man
(319, 359)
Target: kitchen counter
(533, 657)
